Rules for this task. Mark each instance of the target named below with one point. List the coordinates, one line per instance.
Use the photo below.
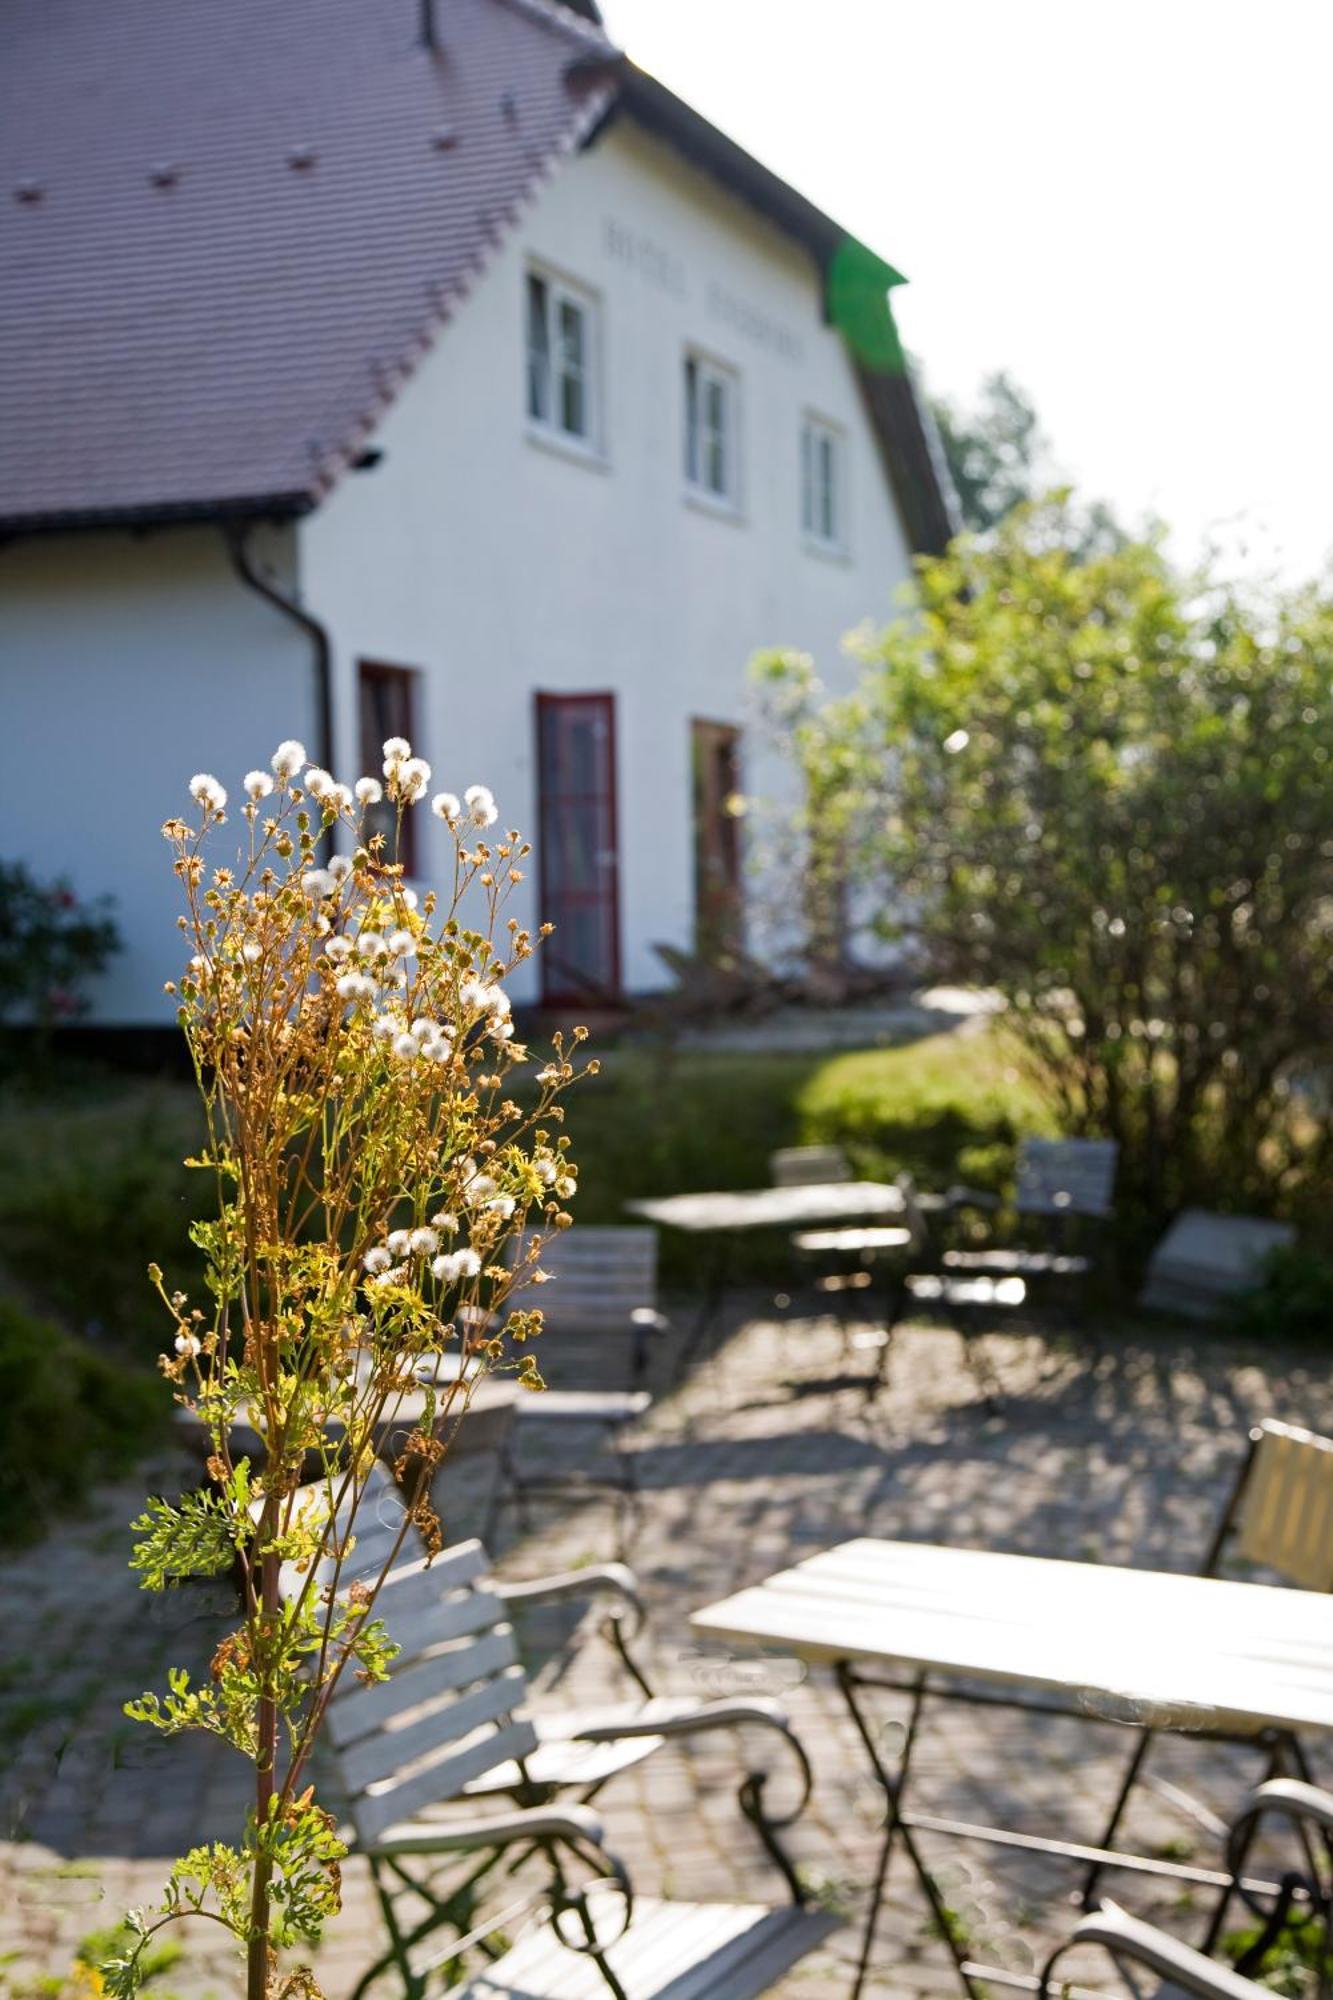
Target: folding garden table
(724, 1215)
(1144, 1647)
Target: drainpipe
(243, 564)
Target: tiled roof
(229, 228)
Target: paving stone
(769, 1452)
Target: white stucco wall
(497, 566)
(126, 664)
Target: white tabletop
(1180, 1652)
(771, 1207)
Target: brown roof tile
(228, 231)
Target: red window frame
(555, 988)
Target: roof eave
(160, 514)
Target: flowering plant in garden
(355, 1055)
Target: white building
(381, 366)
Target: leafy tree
(1103, 790)
(994, 452)
(999, 458)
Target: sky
(1127, 206)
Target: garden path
(770, 1452)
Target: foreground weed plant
(378, 1198)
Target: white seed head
(258, 784)
(288, 758)
(480, 803)
(369, 791)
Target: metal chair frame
(1308, 1890)
(473, 1612)
(1253, 1485)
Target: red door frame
(553, 991)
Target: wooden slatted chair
(448, 1732)
(603, 1282)
(1279, 1515)
(1303, 1894)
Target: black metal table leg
(696, 1341)
(894, 1787)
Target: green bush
(657, 1123)
(1294, 1299)
(68, 1416)
(91, 1193)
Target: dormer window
(561, 327)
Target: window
(560, 358)
(576, 798)
(822, 483)
(711, 457)
(386, 703)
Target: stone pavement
(770, 1453)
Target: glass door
(576, 786)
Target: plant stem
(259, 1956)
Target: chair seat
(851, 1242)
(565, 1762)
(946, 1291)
(671, 1951)
(589, 1406)
(1017, 1263)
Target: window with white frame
(823, 483)
(712, 457)
(561, 343)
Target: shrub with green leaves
(1101, 790)
(68, 1416)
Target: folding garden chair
(1059, 1182)
(604, 1283)
(799, 1166)
(427, 1757)
(843, 1262)
(968, 1298)
(1280, 1515)
(1300, 1901)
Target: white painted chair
(603, 1281)
(448, 1734)
(1302, 1893)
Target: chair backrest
(1066, 1177)
(913, 1216)
(450, 1709)
(1286, 1505)
(805, 1166)
(600, 1277)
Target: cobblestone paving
(770, 1453)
